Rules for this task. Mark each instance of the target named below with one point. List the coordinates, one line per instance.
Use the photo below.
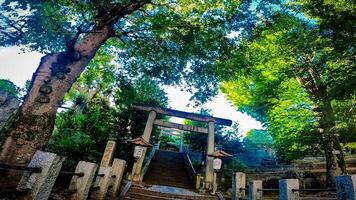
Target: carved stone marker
(40, 184)
(238, 186)
(108, 154)
(102, 181)
(81, 185)
(118, 169)
(255, 190)
(346, 187)
(286, 187)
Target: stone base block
(346, 187)
(118, 169)
(81, 185)
(40, 184)
(102, 183)
(286, 187)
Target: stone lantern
(139, 143)
(217, 155)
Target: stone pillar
(118, 169)
(136, 172)
(346, 187)
(286, 187)
(181, 141)
(81, 185)
(238, 186)
(255, 190)
(40, 184)
(108, 154)
(209, 170)
(198, 181)
(102, 182)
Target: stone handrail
(125, 189)
(220, 196)
(189, 167)
(148, 161)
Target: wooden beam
(180, 126)
(182, 114)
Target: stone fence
(89, 181)
(289, 188)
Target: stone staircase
(167, 169)
(140, 192)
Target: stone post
(118, 169)
(255, 190)
(103, 182)
(238, 186)
(346, 187)
(198, 180)
(180, 141)
(136, 172)
(209, 170)
(81, 185)
(40, 184)
(286, 187)
(108, 154)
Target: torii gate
(209, 172)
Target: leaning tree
(152, 37)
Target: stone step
(167, 168)
(141, 193)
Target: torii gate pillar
(136, 170)
(209, 170)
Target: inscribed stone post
(238, 186)
(108, 154)
(286, 187)
(118, 169)
(81, 185)
(255, 190)
(40, 184)
(346, 187)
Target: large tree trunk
(335, 163)
(32, 127)
(334, 156)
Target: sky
(19, 67)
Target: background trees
(285, 75)
(292, 70)
(100, 109)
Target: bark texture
(32, 126)
(334, 156)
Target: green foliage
(229, 168)
(271, 81)
(159, 40)
(257, 139)
(197, 165)
(9, 87)
(165, 139)
(82, 135)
